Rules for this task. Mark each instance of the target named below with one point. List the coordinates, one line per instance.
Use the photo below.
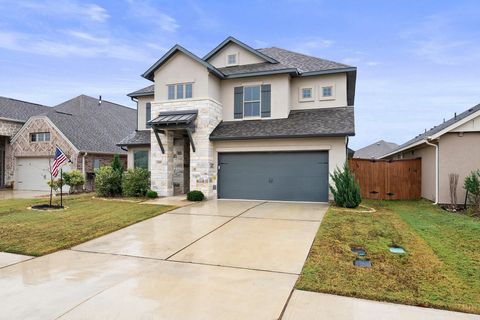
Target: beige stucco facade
(459, 152)
(142, 111)
(337, 81)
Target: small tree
(108, 182)
(472, 185)
(55, 184)
(135, 182)
(117, 164)
(345, 189)
(73, 179)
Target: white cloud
(64, 9)
(86, 36)
(311, 44)
(437, 39)
(148, 12)
(93, 47)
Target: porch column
(162, 164)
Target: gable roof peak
(241, 44)
(150, 72)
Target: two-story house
(243, 123)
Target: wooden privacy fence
(388, 179)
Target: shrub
(117, 164)
(195, 195)
(108, 182)
(346, 191)
(472, 185)
(152, 194)
(135, 182)
(73, 179)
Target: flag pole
(51, 181)
(61, 189)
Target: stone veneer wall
(23, 147)
(203, 173)
(9, 129)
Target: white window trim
(300, 94)
(259, 103)
(320, 93)
(175, 90)
(236, 59)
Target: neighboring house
(243, 123)
(86, 129)
(451, 147)
(375, 150)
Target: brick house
(85, 128)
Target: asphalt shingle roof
(288, 61)
(137, 137)
(92, 127)
(147, 91)
(20, 110)
(375, 150)
(437, 129)
(300, 123)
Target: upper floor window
(148, 114)
(251, 101)
(96, 164)
(306, 94)
(179, 91)
(40, 136)
(232, 59)
(327, 91)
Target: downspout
(436, 168)
(83, 170)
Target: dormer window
(232, 59)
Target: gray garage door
(294, 176)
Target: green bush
(73, 179)
(472, 185)
(195, 195)
(151, 194)
(135, 182)
(108, 182)
(346, 191)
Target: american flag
(58, 160)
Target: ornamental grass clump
(345, 189)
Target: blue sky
(418, 61)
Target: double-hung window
(179, 91)
(251, 101)
(148, 114)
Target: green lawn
(441, 268)
(40, 232)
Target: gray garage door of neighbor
(291, 176)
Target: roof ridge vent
(61, 112)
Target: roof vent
(455, 115)
(100, 100)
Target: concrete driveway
(210, 260)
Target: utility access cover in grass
(397, 250)
(362, 263)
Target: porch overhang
(174, 121)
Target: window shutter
(238, 103)
(148, 112)
(266, 100)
